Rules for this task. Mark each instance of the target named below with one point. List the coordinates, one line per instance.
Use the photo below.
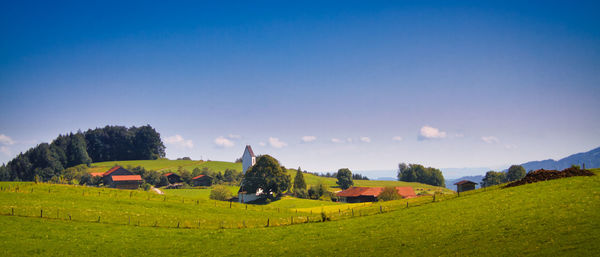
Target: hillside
(220, 166)
(168, 165)
(590, 158)
(492, 222)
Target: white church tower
(248, 159)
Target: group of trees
(515, 172)
(421, 174)
(111, 143)
(355, 176)
(268, 175)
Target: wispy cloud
(397, 138)
(428, 132)
(5, 150)
(6, 140)
(337, 140)
(275, 142)
(262, 143)
(490, 139)
(510, 147)
(234, 136)
(223, 142)
(178, 140)
(307, 139)
(365, 139)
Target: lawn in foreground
(558, 217)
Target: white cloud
(336, 140)
(490, 140)
(365, 139)
(275, 142)
(262, 143)
(428, 132)
(510, 147)
(178, 140)
(233, 136)
(349, 140)
(307, 139)
(4, 150)
(223, 142)
(397, 138)
(6, 140)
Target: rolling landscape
(299, 128)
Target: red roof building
(202, 180)
(370, 194)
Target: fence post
(267, 222)
(352, 212)
(129, 220)
(177, 224)
(41, 213)
(12, 211)
(229, 204)
(98, 218)
(292, 220)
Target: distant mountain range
(591, 160)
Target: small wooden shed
(465, 185)
(173, 178)
(202, 180)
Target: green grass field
(557, 217)
(172, 166)
(168, 165)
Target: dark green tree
(421, 174)
(268, 175)
(515, 172)
(493, 178)
(299, 184)
(344, 178)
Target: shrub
(388, 194)
(145, 186)
(220, 193)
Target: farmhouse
(172, 178)
(465, 185)
(202, 180)
(370, 194)
(118, 177)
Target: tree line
(355, 176)
(111, 143)
(515, 172)
(421, 174)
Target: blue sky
(318, 85)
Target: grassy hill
(168, 165)
(173, 165)
(557, 217)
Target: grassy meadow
(168, 165)
(557, 217)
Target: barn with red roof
(118, 177)
(202, 180)
(370, 194)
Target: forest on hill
(111, 143)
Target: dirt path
(158, 191)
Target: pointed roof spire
(249, 149)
